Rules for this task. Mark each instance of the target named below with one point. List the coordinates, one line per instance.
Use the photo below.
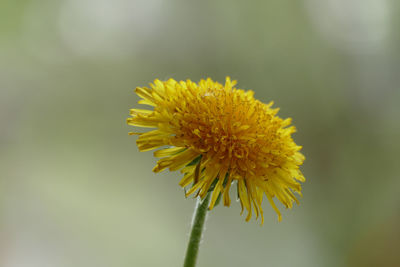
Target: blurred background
(75, 191)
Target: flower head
(217, 136)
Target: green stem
(199, 215)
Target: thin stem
(199, 215)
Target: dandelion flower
(219, 136)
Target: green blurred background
(75, 191)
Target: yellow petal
(177, 161)
(168, 151)
(274, 206)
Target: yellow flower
(217, 136)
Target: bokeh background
(75, 191)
